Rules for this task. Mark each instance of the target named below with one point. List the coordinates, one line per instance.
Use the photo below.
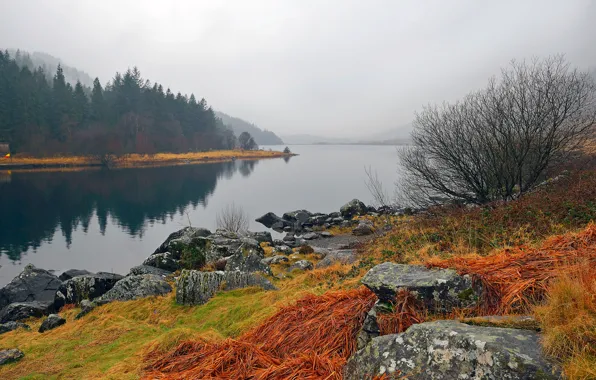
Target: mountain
(262, 137)
(49, 64)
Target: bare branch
(232, 218)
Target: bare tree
(232, 218)
(498, 143)
(375, 186)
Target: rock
(338, 220)
(261, 237)
(67, 275)
(449, 350)
(269, 219)
(310, 236)
(370, 328)
(334, 214)
(135, 287)
(344, 256)
(85, 287)
(181, 237)
(163, 260)
(363, 229)
(300, 216)
(526, 322)
(326, 234)
(12, 325)
(284, 249)
(86, 307)
(289, 238)
(278, 242)
(275, 260)
(32, 284)
(146, 269)
(22, 310)
(10, 356)
(51, 322)
(301, 265)
(247, 263)
(196, 288)
(353, 208)
(440, 290)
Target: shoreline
(139, 160)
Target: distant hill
(49, 64)
(262, 137)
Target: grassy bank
(528, 250)
(135, 160)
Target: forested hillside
(127, 114)
(49, 64)
(262, 137)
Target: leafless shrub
(232, 218)
(498, 143)
(375, 187)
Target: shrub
(232, 218)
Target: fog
(333, 67)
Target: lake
(111, 220)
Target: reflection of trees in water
(287, 159)
(33, 205)
(246, 167)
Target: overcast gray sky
(326, 67)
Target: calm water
(111, 220)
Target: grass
(131, 160)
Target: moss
(467, 295)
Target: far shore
(23, 161)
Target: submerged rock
(449, 350)
(12, 325)
(440, 290)
(32, 284)
(68, 274)
(195, 287)
(10, 356)
(22, 310)
(135, 287)
(86, 287)
(51, 322)
(353, 208)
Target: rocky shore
(202, 263)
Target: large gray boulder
(182, 238)
(135, 287)
(196, 288)
(353, 208)
(269, 219)
(440, 290)
(163, 260)
(22, 310)
(247, 262)
(86, 287)
(51, 322)
(10, 356)
(32, 284)
(449, 350)
(298, 216)
(11, 326)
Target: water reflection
(34, 204)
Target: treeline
(127, 115)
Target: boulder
(310, 236)
(51, 322)
(298, 216)
(275, 259)
(363, 229)
(196, 288)
(135, 287)
(250, 262)
(283, 249)
(146, 269)
(449, 350)
(32, 284)
(22, 310)
(326, 234)
(301, 265)
(269, 219)
(278, 242)
(440, 290)
(261, 237)
(67, 275)
(338, 220)
(10, 326)
(182, 237)
(86, 287)
(86, 307)
(163, 260)
(289, 238)
(353, 208)
(344, 256)
(10, 356)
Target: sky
(336, 68)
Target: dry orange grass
(309, 340)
